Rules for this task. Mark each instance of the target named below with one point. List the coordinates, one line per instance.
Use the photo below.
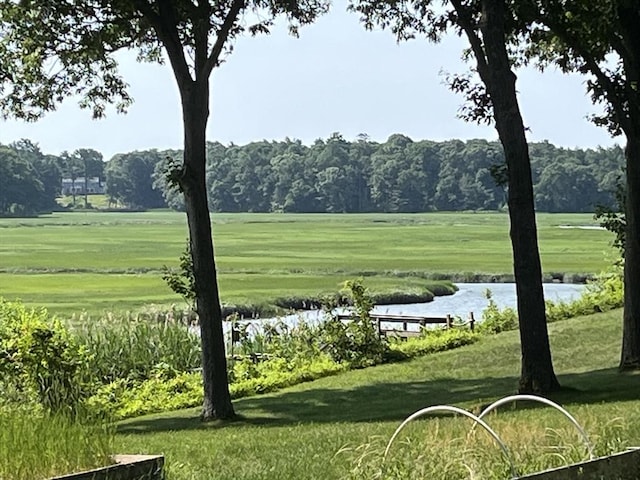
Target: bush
(263, 377)
(163, 391)
(169, 390)
(433, 341)
(40, 361)
(604, 293)
(496, 320)
(357, 342)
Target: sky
(337, 77)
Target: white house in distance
(76, 186)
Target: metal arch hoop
(461, 411)
(548, 402)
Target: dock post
(449, 321)
(472, 321)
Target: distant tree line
(332, 175)
(31, 181)
(400, 175)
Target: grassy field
(337, 427)
(73, 262)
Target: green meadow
(98, 261)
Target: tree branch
(466, 23)
(591, 63)
(164, 24)
(201, 28)
(221, 37)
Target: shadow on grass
(391, 401)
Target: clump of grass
(42, 446)
(131, 350)
(390, 298)
(448, 448)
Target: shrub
(161, 392)
(167, 390)
(40, 361)
(356, 342)
(436, 340)
(604, 293)
(496, 320)
(263, 377)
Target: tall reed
(132, 349)
(36, 445)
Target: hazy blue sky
(336, 77)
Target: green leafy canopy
(54, 49)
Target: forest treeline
(331, 175)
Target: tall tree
(129, 179)
(52, 48)
(71, 169)
(602, 38)
(488, 25)
(47, 170)
(21, 191)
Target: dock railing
(389, 324)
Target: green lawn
(94, 261)
(297, 433)
(97, 201)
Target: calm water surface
(470, 297)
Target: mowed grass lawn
(298, 432)
(78, 261)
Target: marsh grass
(96, 262)
(36, 446)
(122, 348)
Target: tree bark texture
(537, 374)
(195, 108)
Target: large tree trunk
(195, 108)
(630, 358)
(537, 373)
(629, 15)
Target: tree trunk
(195, 108)
(86, 186)
(629, 16)
(537, 375)
(630, 358)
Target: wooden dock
(400, 323)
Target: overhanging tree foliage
(50, 49)
(488, 25)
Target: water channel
(470, 297)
